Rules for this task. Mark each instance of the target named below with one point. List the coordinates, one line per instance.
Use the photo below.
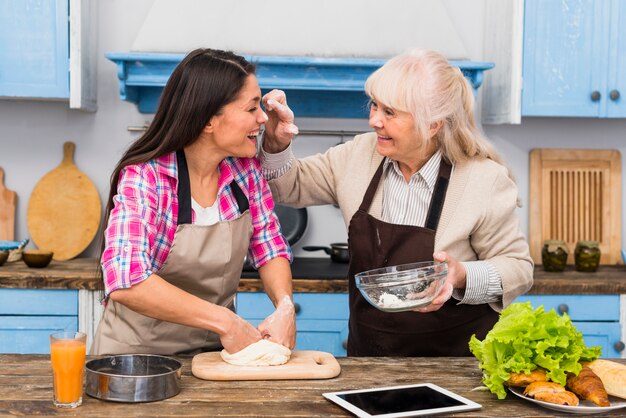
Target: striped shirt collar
(429, 171)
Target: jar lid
(589, 244)
(554, 244)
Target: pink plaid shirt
(144, 218)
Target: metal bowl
(133, 378)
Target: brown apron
(204, 260)
(374, 244)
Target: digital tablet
(401, 401)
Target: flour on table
(261, 353)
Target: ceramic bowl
(404, 287)
(37, 258)
(4, 255)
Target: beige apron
(204, 260)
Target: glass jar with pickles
(554, 255)
(587, 256)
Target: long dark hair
(200, 86)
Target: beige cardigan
(478, 220)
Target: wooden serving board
(7, 211)
(301, 365)
(63, 213)
(576, 194)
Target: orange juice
(68, 364)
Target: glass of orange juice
(67, 354)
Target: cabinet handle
(595, 96)
(619, 346)
(614, 95)
(344, 344)
(563, 308)
(297, 307)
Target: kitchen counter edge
(80, 273)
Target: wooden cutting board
(576, 194)
(63, 213)
(7, 211)
(301, 365)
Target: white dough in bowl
(261, 353)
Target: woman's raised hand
(279, 129)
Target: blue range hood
(315, 87)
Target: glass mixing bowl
(403, 287)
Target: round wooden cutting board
(63, 213)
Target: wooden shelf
(608, 280)
(315, 87)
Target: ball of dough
(261, 353)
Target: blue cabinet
(34, 48)
(616, 106)
(321, 318)
(596, 316)
(29, 316)
(574, 63)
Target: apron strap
(242, 200)
(184, 189)
(439, 195)
(371, 189)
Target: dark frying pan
(338, 251)
(292, 224)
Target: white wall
(328, 28)
(32, 132)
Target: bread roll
(613, 376)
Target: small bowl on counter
(15, 248)
(37, 258)
(404, 287)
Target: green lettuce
(524, 339)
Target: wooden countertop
(80, 273)
(310, 275)
(26, 389)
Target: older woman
(425, 185)
(187, 202)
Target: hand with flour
(280, 128)
(239, 335)
(280, 326)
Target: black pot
(338, 251)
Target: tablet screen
(389, 401)
(402, 400)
